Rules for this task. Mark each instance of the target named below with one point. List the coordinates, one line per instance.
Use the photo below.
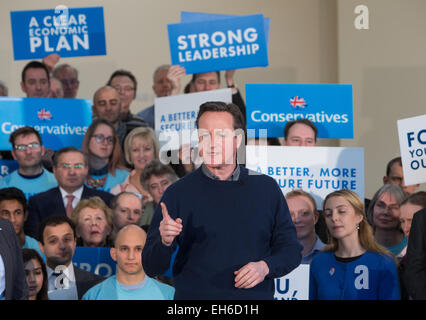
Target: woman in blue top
(106, 164)
(353, 266)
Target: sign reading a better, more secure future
(69, 32)
(223, 44)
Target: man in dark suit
(70, 167)
(57, 242)
(414, 276)
(14, 284)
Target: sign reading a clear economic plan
(293, 286)
(69, 32)
(175, 116)
(412, 143)
(317, 170)
(328, 106)
(223, 44)
(60, 122)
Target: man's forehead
(35, 73)
(58, 230)
(156, 178)
(71, 157)
(396, 169)
(207, 76)
(7, 204)
(27, 137)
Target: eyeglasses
(23, 147)
(68, 166)
(125, 89)
(100, 138)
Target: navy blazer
(50, 203)
(11, 254)
(414, 275)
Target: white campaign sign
(175, 116)
(412, 143)
(317, 170)
(293, 286)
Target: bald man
(130, 282)
(107, 106)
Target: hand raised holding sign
(174, 75)
(169, 228)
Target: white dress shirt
(2, 279)
(77, 196)
(66, 291)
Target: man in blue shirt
(27, 150)
(130, 282)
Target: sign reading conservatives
(60, 122)
(69, 32)
(328, 106)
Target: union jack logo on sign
(298, 102)
(44, 114)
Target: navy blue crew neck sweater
(226, 224)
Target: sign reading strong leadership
(223, 44)
(328, 106)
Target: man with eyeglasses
(69, 79)
(126, 85)
(107, 106)
(70, 167)
(28, 151)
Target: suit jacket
(50, 203)
(414, 276)
(10, 251)
(85, 280)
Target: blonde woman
(352, 266)
(93, 220)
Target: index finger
(164, 211)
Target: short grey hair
(160, 68)
(392, 189)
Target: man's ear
(113, 253)
(385, 180)
(23, 88)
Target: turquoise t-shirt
(31, 243)
(111, 181)
(148, 289)
(29, 185)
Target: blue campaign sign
(187, 16)
(95, 260)
(214, 45)
(328, 106)
(60, 122)
(69, 32)
(7, 167)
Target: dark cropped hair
(304, 121)
(124, 73)
(391, 163)
(156, 168)
(69, 149)
(195, 75)
(13, 193)
(24, 131)
(219, 106)
(29, 254)
(53, 221)
(35, 65)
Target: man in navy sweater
(232, 225)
